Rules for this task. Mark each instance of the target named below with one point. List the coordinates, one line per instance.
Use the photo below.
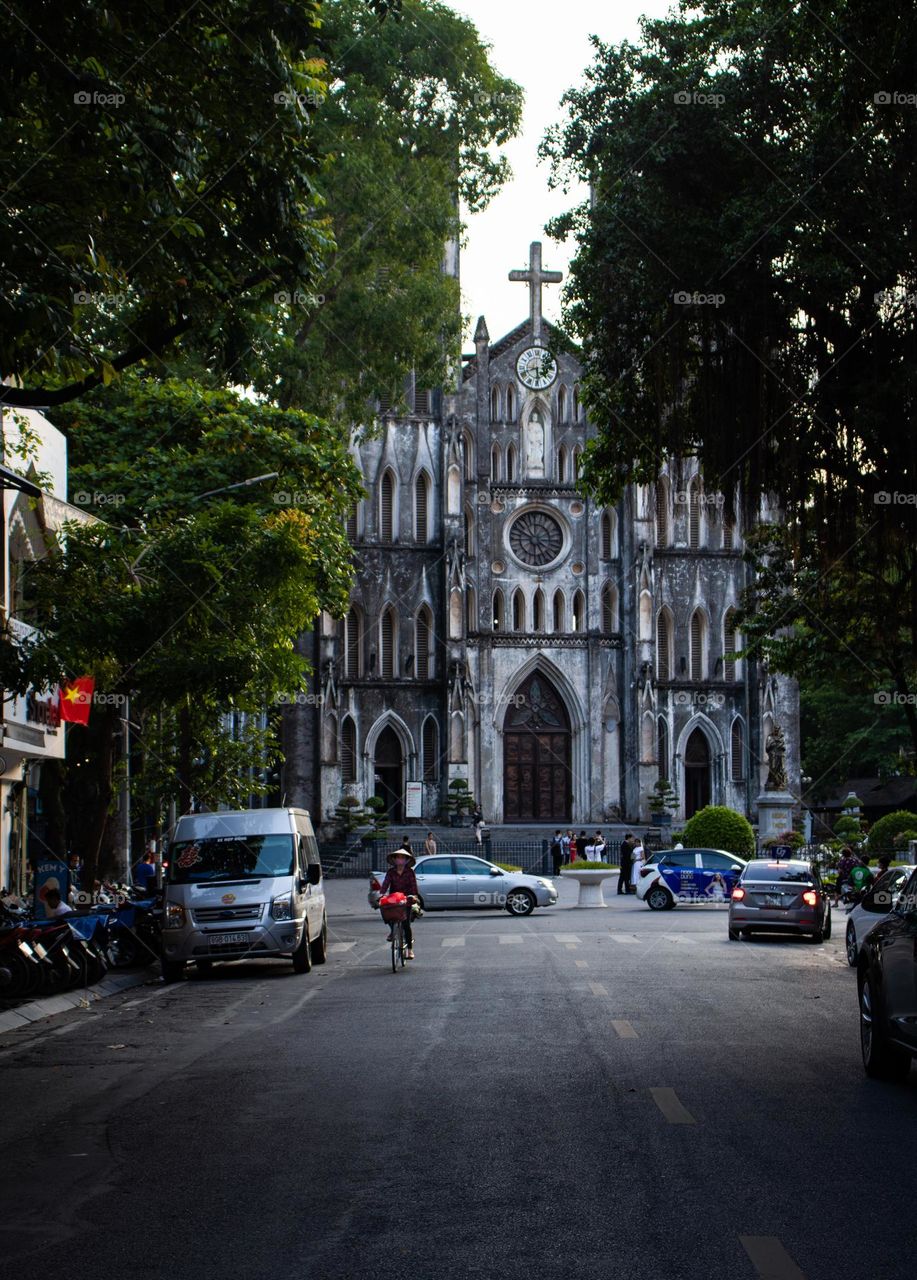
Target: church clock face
(536, 368)
(536, 539)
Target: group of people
(567, 847)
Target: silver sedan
(447, 882)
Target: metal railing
(351, 859)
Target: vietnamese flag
(75, 700)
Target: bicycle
(395, 914)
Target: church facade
(557, 655)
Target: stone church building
(558, 655)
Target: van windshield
(230, 858)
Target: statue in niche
(534, 445)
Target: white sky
(544, 46)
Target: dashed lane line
(624, 1029)
(453, 942)
(769, 1258)
(627, 939)
(567, 937)
(671, 1106)
(341, 946)
(507, 938)
(598, 988)
(581, 964)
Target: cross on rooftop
(535, 278)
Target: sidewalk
(23, 1015)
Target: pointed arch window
(353, 522)
(471, 610)
(353, 644)
(577, 459)
(510, 463)
(495, 404)
(664, 645)
(729, 646)
(510, 403)
(429, 745)
(538, 610)
(662, 512)
(562, 464)
(560, 612)
(697, 642)
(388, 635)
(729, 535)
(423, 644)
(348, 750)
(695, 502)
(518, 610)
(468, 519)
(562, 409)
(496, 470)
(737, 751)
(468, 454)
(421, 509)
(576, 404)
(579, 611)
(498, 611)
(608, 536)
(662, 747)
(387, 508)
(609, 609)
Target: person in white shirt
(55, 906)
(639, 857)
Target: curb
(24, 1015)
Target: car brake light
(810, 897)
(738, 893)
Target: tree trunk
(104, 756)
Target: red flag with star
(75, 700)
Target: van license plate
(228, 939)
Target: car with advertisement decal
(243, 886)
(676, 877)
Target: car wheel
(881, 1060)
(817, 937)
(173, 970)
(319, 947)
(735, 935)
(520, 902)
(850, 943)
(204, 967)
(659, 899)
(302, 956)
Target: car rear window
(779, 872)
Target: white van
(243, 886)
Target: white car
(688, 875)
(875, 905)
(446, 882)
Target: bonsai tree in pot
(460, 802)
(378, 817)
(663, 803)
(349, 816)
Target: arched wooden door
(536, 755)
(389, 773)
(697, 773)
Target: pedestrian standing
(573, 848)
(600, 847)
(429, 845)
(557, 852)
(478, 820)
(639, 858)
(565, 846)
(626, 858)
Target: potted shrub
(378, 817)
(460, 802)
(589, 877)
(349, 816)
(663, 803)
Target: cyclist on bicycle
(400, 878)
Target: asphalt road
(609, 1093)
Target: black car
(887, 984)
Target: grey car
(780, 897)
(446, 882)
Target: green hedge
(882, 833)
(717, 827)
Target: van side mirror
(314, 873)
